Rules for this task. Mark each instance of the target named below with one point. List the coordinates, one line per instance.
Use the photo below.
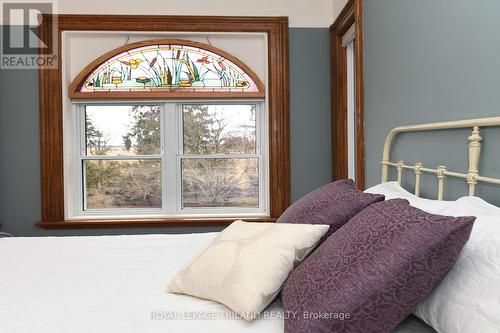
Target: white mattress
(112, 284)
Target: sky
(112, 120)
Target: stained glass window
(183, 66)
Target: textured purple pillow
(333, 204)
(368, 276)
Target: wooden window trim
(51, 131)
(150, 222)
(351, 14)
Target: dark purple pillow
(333, 204)
(368, 276)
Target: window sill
(149, 223)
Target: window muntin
(235, 172)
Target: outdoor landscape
(132, 179)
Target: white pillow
(392, 190)
(246, 265)
(468, 298)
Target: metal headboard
(472, 176)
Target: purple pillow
(333, 204)
(368, 276)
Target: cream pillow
(247, 263)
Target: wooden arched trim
(76, 90)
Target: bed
(114, 284)
(117, 283)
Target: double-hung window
(181, 158)
(164, 122)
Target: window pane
(124, 130)
(223, 129)
(220, 182)
(122, 184)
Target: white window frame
(351, 110)
(171, 145)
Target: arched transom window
(167, 68)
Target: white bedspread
(112, 284)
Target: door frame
(351, 14)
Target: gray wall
(19, 140)
(309, 110)
(426, 61)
